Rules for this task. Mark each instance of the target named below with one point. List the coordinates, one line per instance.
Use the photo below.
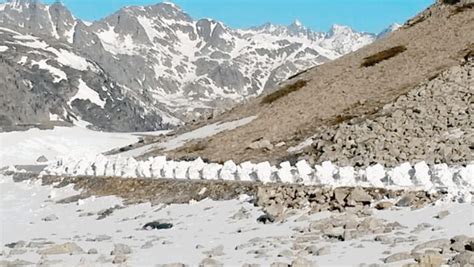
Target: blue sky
(363, 15)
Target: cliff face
(48, 83)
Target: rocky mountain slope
(166, 65)
(406, 96)
(48, 83)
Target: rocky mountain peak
(181, 67)
(344, 39)
(22, 2)
(296, 28)
(297, 23)
(170, 5)
(337, 29)
(266, 27)
(36, 18)
(24, 5)
(167, 10)
(393, 27)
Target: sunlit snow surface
(25, 147)
(180, 140)
(198, 227)
(84, 92)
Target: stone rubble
(433, 123)
(66, 248)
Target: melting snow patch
(115, 44)
(3, 48)
(301, 146)
(54, 117)
(86, 93)
(23, 60)
(31, 41)
(58, 74)
(149, 27)
(70, 59)
(180, 140)
(205, 131)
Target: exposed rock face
(34, 17)
(454, 2)
(167, 66)
(48, 81)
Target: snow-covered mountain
(49, 82)
(172, 65)
(393, 27)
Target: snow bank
(230, 223)
(457, 181)
(84, 92)
(180, 140)
(25, 147)
(70, 59)
(58, 74)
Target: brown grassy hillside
(357, 84)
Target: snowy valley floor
(26, 147)
(33, 224)
(37, 227)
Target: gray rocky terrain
(434, 123)
(49, 83)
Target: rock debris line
(279, 201)
(456, 181)
(276, 199)
(434, 123)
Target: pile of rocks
(277, 199)
(432, 123)
(351, 226)
(457, 251)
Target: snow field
(457, 181)
(206, 223)
(24, 147)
